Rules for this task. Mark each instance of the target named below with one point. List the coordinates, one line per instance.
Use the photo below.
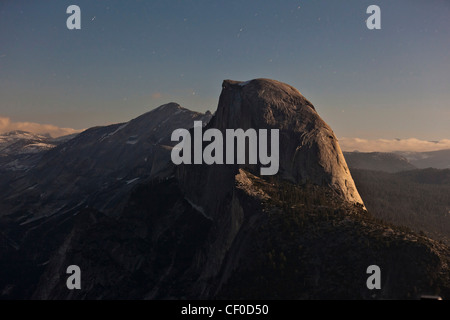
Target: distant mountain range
(435, 159)
(20, 142)
(378, 161)
(398, 161)
(111, 201)
(21, 150)
(406, 188)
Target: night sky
(132, 56)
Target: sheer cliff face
(309, 150)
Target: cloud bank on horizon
(387, 145)
(6, 125)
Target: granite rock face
(309, 150)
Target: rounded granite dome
(309, 150)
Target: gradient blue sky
(132, 56)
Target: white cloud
(386, 145)
(7, 125)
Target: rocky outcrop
(309, 150)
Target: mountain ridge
(139, 227)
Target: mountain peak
(172, 106)
(309, 150)
(269, 89)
